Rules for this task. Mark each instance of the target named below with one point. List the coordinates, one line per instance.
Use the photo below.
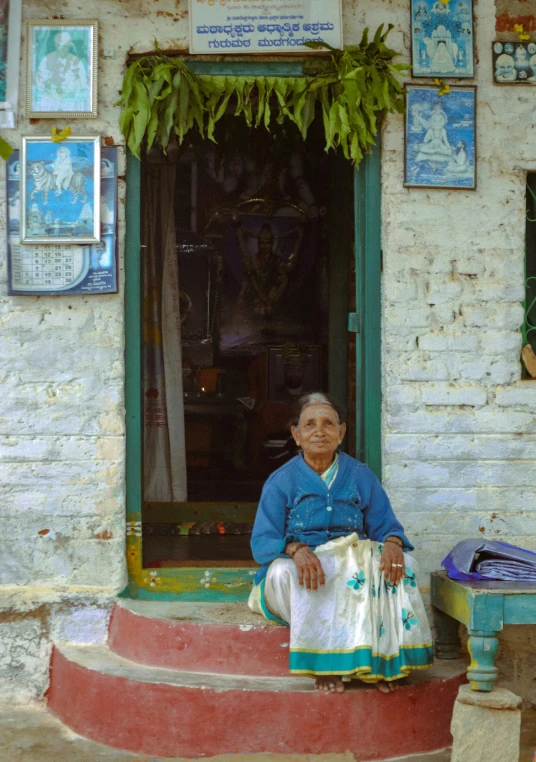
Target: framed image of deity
(10, 34)
(514, 63)
(63, 268)
(440, 138)
(60, 190)
(442, 38)
(61, 69)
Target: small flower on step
(205, 581)
(153, 579)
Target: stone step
(169, 712)
(199, 637)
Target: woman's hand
(392, 562)
(310, 572)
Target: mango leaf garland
(353, 90)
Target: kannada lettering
(239, 30)
(225, 25)
(233, 30)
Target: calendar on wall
(47, 268)
(64, 268)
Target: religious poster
(10, 35)
(62, 268)
(442, 38)
(60, 190)
(278, 26)
(514, 63)
(440, 138)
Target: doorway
(268, 234)
(260, 228)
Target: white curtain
(164, 457)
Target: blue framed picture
(60, 190)
(61, 68)
(64, 268)
(440, 138)
(442, 38)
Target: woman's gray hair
(315, 398)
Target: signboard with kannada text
(226, 27)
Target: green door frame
(366, 321)
(232, 584)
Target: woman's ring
(399, 566)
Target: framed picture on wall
(63, 268)
(10, 34)
(61, 69)
(442, 39)
(440, 138)
(60, 185)
(514, 63)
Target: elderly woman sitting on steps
(333, 563)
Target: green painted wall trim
(133, 335)
(340, 251)
(367, 193)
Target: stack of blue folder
(479, 559)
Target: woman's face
(318, 432)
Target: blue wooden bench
(484, 608)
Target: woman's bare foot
(329, 684)
(390, 687)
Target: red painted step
(221, 638)
(190, 714)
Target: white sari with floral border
(358, 624)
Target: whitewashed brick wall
(459, 426)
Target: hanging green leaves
(354, 89)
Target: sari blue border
(267, 613)
(362, 662)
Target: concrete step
(31, 734)
(169, 712)
(200, 637)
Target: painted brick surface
(459, 424)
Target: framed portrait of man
(61, 69)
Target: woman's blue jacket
(297, 506)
